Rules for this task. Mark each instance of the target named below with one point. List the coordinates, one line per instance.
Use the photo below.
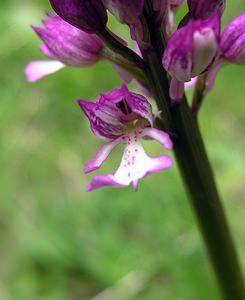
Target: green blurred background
(58, 242)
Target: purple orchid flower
(232, 44)
(123, 117)
(128, 12)
(66, 46)
(87, 15)
(232, 49)
(204, 9)
(190, 51)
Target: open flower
(190, 51)
(66, 46)
(123, 117)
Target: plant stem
(197, 175)
(199, 95)
(115, 45)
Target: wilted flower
(123, 117)
(87, 15)
(204, 9)
(190, 51)
(66, 46)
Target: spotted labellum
(123, 117)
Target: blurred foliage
(59, 242)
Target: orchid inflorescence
(77, 36)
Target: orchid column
(166, 62)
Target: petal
(176, 90)
(89, 16)
(68, 44)
(232, 43)
(111, 114)
(206, 46)
(158, 135)
(99, 182)
(203, 9)
(101, 156)
(212, 74)
(135, 164)
(127, 11)
(103, 120)
(36, 70)
(191, 84)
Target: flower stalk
(197, 175)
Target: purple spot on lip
(129, 174)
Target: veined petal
(135, 164)
(114, 111)
(101, 156)
(36, 70)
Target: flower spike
(123, 117)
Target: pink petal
(135, 164)
(158, 135)
(36, 70)
(99, 182)
(191, 84)
(212, 75)
(101, 156)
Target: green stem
(197, 176)
(116, 46)
(199, 94)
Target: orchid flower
(190, 51)
(65, 45)
(123, 117)
(232, 49)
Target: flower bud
(203, 9)
(191, 49)
(87, 15)
(232, 43)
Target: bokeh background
(58, 242)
